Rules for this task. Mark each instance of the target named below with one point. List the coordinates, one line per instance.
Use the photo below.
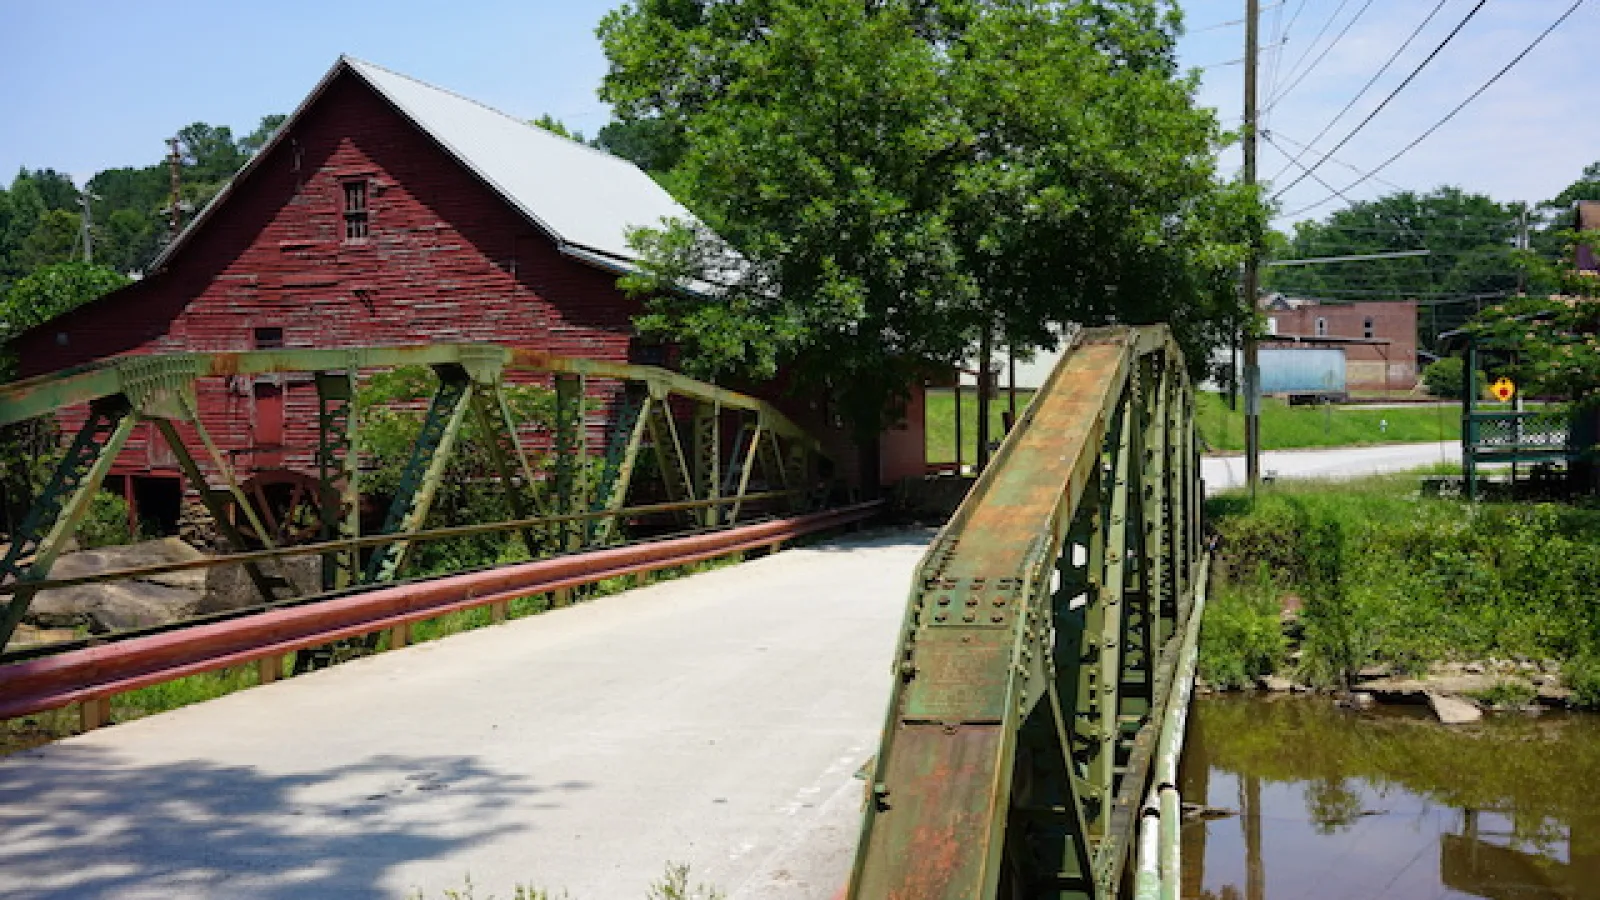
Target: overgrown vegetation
(1285, 427)
(392, 406)
(1389, 577)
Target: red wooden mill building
(384, 211)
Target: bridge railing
(567, 499)
(1041, 644)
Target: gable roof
(585, 199)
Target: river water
(1317, 803)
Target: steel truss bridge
(1045, 662)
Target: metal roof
(585, 199)
(578, 194)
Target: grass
(941, 425)
(1387, 576)
(1285, 427)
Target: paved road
(1224, 472)
(716, 721)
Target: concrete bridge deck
(716, 721)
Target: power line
(1452, 114)
(1273, 103)
(1366, 87)
(1215, 26)
(1395, 93)
(1313, 45)
(1330, 158)
(1319, 180)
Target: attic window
(355, 210)
(1322, 327)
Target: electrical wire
(1330, 158)
(1396, 92)
(1366, 87)
(1279, 97)
(1314, 41)
(1453, 113)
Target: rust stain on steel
(1025, 493)
(943, 780)
(72, 677)
(938, 797)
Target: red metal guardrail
(94, 673)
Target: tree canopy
(897, 178)
(41, 211)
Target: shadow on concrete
(85, 822)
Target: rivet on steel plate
(997, 617)
(944, 601)
(970, 617)
(939, 617)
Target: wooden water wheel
(287, 504)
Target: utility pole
(1522, 244)
(1252, 365)
(175, 170)
(86, 226)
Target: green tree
(556, 126)
(209, 152)
(1471, 241)
(52, 290)
(881, 183)
(252, 143)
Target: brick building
(1379, 339)
(384, 211)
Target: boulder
(112, 607)
(131, 603)
(1275, 683)
(1453, 710)
(229, 587)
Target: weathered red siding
(447, 260)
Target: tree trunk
(985, 352)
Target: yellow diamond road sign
(1503, 390)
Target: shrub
(106, 522)
(1443, 378)
(1241, 639)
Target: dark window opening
(269, 338)
(649, 353)
(355, 210)
(1366, 325)
(1322, 327)
(157, 503)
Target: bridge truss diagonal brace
(492, 413)
(423, 471)
(59, 508)
(338, 473)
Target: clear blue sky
(90, 84)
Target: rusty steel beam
(44, 394)
(95, 673)
(1027, 692)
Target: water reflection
(1310, 801)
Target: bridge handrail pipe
(99, 672)
(1159, 868)
(379, 540)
